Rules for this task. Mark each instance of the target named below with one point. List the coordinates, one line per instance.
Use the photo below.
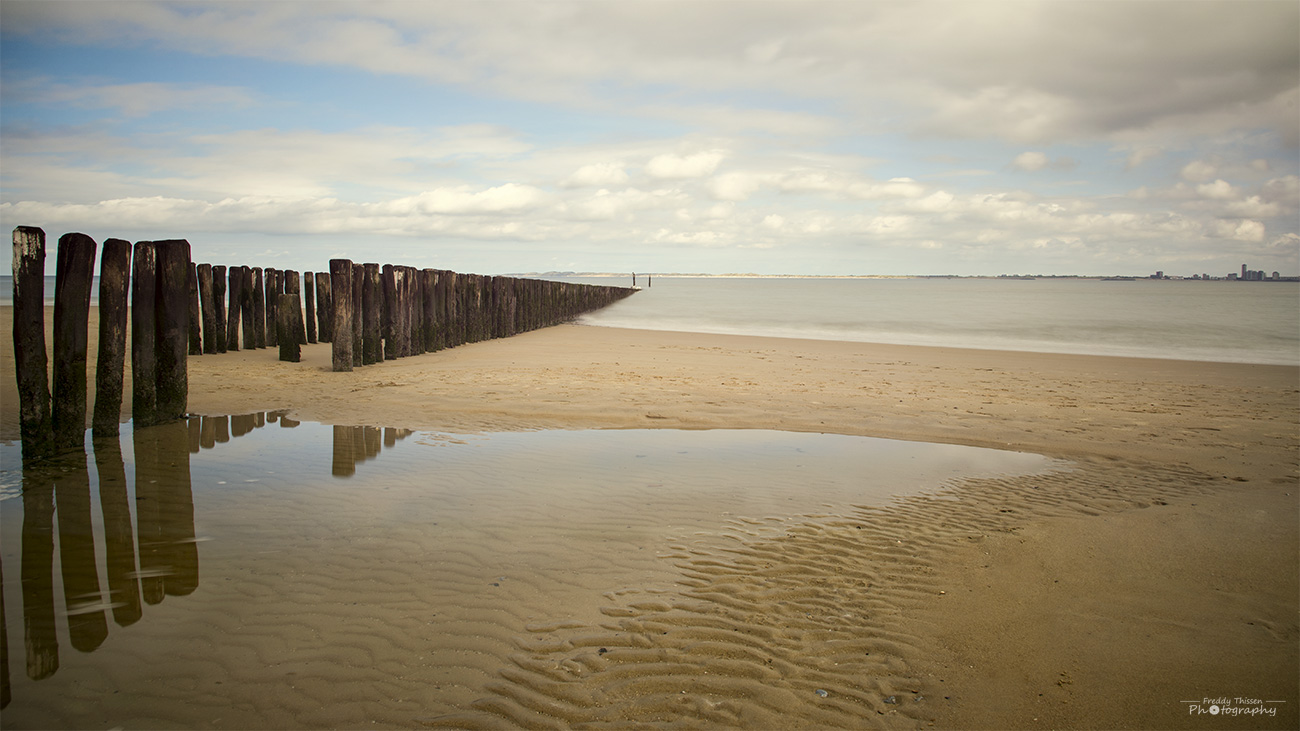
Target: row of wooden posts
(379, 313)
(368, 312)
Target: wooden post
(371, 306)
(235, 293)
(324, 307)
(414, 312)
(30, 358)
(144, 290)
(219, 307)
(74, 272)
(259, 309)
(207, 313)
(247, 310)
(388, 312)
(293, 286)
(290, 350)
(358, 315)
(270, 297)
(309, 304)
(428, 303)
(196, 332)
(341, 314)
(172, 321)
(114, 280)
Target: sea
(1220, 321)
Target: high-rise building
(1243, 272)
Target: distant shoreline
(996, 277)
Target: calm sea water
(1236, 322)
(1250, 322)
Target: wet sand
(1162, 569)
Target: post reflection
(356, 444)
(57, 509)
(148, 544)
(82, 599)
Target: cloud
(1198, 170)
(1241, 230)
(142, 99)
(596, 174)
(508, 198)
(736, 186)
(1032, 162)
(1219, 190)
(1140, 155)
(675, 167)
(1205, 67)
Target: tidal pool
(256, 572)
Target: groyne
(179, 309)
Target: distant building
(1276, 276)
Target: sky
(818, 138)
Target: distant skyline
(811, 138)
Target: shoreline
(1083, 598)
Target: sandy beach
(1164, 568)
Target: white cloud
(1030, 161)
(1241, 230)
(1197, 171)
(1033, 161)
(675, 167)
(1218, 190)
(597, 174)
(1253, 207)
(736, 186)
(892, 188)
(508, 198)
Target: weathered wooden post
(233, 315)
(73, 275)
(114, 281)
(196, 331)
(219, 307)
(144, 294)
(341, 314)
(292, 285)
(246, 309)
(358, 314)
(399, 312)
(172, 320)
(30, 359)
(309, 304)
(259, 309)
(371, 307)
(414, 312)
(388, 311)
(207, 313)
(429, 305)
(324, 307)
(270, 297)
(415, 306)
(290, 350)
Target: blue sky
(769, 137)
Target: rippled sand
(1160, 566)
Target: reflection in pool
(354, 574)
